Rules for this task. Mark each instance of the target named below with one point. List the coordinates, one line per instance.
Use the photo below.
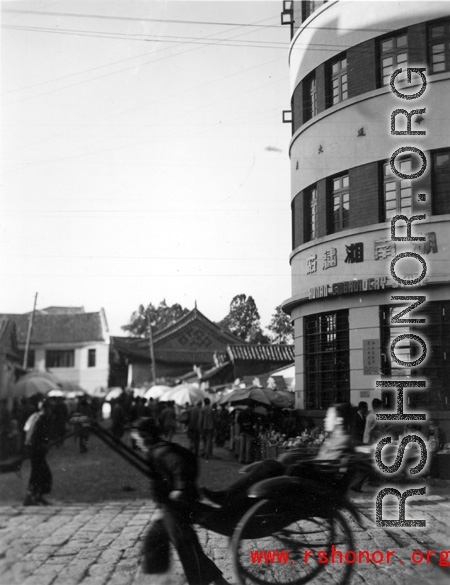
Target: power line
(196, 22)
(153, 38)
(139, 19)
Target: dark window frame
(327, 359)
(441, 40)
(342, 194)
(400, 185)
(92, 358)
(31, 358)
(435, 369)
(394, 53)
(310, 106)
(436, 201)
(310, 213)
(60, 358)
(337, 80)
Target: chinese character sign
(371, 357)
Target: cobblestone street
(97, 544)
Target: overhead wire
(175, 21)
(125, 69)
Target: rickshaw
(287, 530)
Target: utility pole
(152, 350)
(30, 329)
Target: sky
(144, 155)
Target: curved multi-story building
(345, 193)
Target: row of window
(396, 197)
(391, 54)
(327, 357)
(60, 358)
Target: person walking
(168, 421)
(193, 428)
(38, 429)
(207, 426)
(174, 475)
(358, 423)
(247, 422)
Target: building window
(308, 7)
(60, 358)
(327, 360)
(91, 358)
(339, 203)
(310, 214)
(439, 46)
(338, 81)
(30, 358)
(393, 55)
(397, 192)
(441, 181)
(309, 98)
(435, 369)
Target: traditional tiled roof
(261, 353)
(196, 357)
(138, 348)
(195, 316)
(59, 328)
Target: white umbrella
(34, 383)
(114, 393)
(156, 392)
(184, 393)
(57, 393)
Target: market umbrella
(156, 392)
(114, 393)
(34, 383)
(280, 398)
(283, 399)
(56, 393)
(253, 393)
(184, 393)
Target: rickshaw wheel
(269, 546)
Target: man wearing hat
(174, 474)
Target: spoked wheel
(274, 546)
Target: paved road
(99, 544)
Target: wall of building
(347, 268)
(89, 378)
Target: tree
(161, 317)
(281, 327)
(243, 320)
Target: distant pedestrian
(83, 424)
(247, 423)
(118, 418)
(222, 426)
(60, 417)
(168, 421)
(38, 433)
(193, 428)
(207, 426)
(153, 409)
(358, 423)
(373, 429)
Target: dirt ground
(100, 474)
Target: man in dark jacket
(38, 430)
(174, 474)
